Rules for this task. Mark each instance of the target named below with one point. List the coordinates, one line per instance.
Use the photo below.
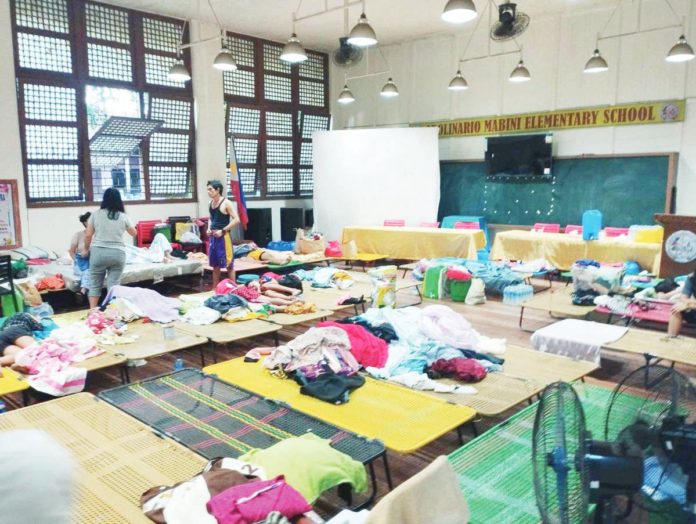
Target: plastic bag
(333, 249)
(477, 293)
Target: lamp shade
(520, 73)
(390, 90)
(459, 11)
(458, 83)
(681, 51)
(596, 64)
(293, 51)
(346, 97)
(362, 35)
(178, 72)
(224, 61)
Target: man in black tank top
(223, 218)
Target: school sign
(601, 116)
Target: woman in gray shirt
(104, 244)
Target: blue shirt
(688, 289)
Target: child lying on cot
(265, 292)
(251, 250)
(15, 335)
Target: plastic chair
(547, 228)
(611, 232)
(429, 224)
(467, 225)
(398, 222)
(6, 282)
(573, 229)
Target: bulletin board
(626, 189)
(10, 227)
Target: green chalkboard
(627, 190)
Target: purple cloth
(151, 303)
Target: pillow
(310, 465)
(28, 252)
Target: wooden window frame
(79, 79)
(294, 107)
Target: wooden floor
(493, 319)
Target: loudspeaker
(291, 218)
(260, 227)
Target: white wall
(555, 51)
(359, 177)
(52, 227)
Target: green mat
(495, 470)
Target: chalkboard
(627, 190)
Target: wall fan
(511, 22)
(648, 459)
(346, 55)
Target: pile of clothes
(274, 485)
(411, 346)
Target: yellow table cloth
(562, 250)
(416, 242)
(403, 419)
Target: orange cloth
(54, 282)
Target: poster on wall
(10, 230)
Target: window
(273, 109)
(79, 63)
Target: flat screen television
(519, 155)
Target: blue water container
(591, 224)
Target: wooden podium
(679, 245)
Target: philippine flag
(238, 192)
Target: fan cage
(559, 428)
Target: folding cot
(558, 303)
(217, 419)
(651, 344)
(525, 373)
(223, 332)
(11, 382)
(405, 420)
(118, 458)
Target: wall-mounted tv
(519, 155)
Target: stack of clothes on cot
(410, 346)
(275, 485)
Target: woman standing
(77, 246)
(104, 244)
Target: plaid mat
(216, 419)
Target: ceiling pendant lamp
(520, 73)
(596, 64)
(459, 11)
(389, 90)
(224, 61)
(346, 97)
(293, 52)
(458, 83)
(362, 35)
(681, 51)
(178, 71)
